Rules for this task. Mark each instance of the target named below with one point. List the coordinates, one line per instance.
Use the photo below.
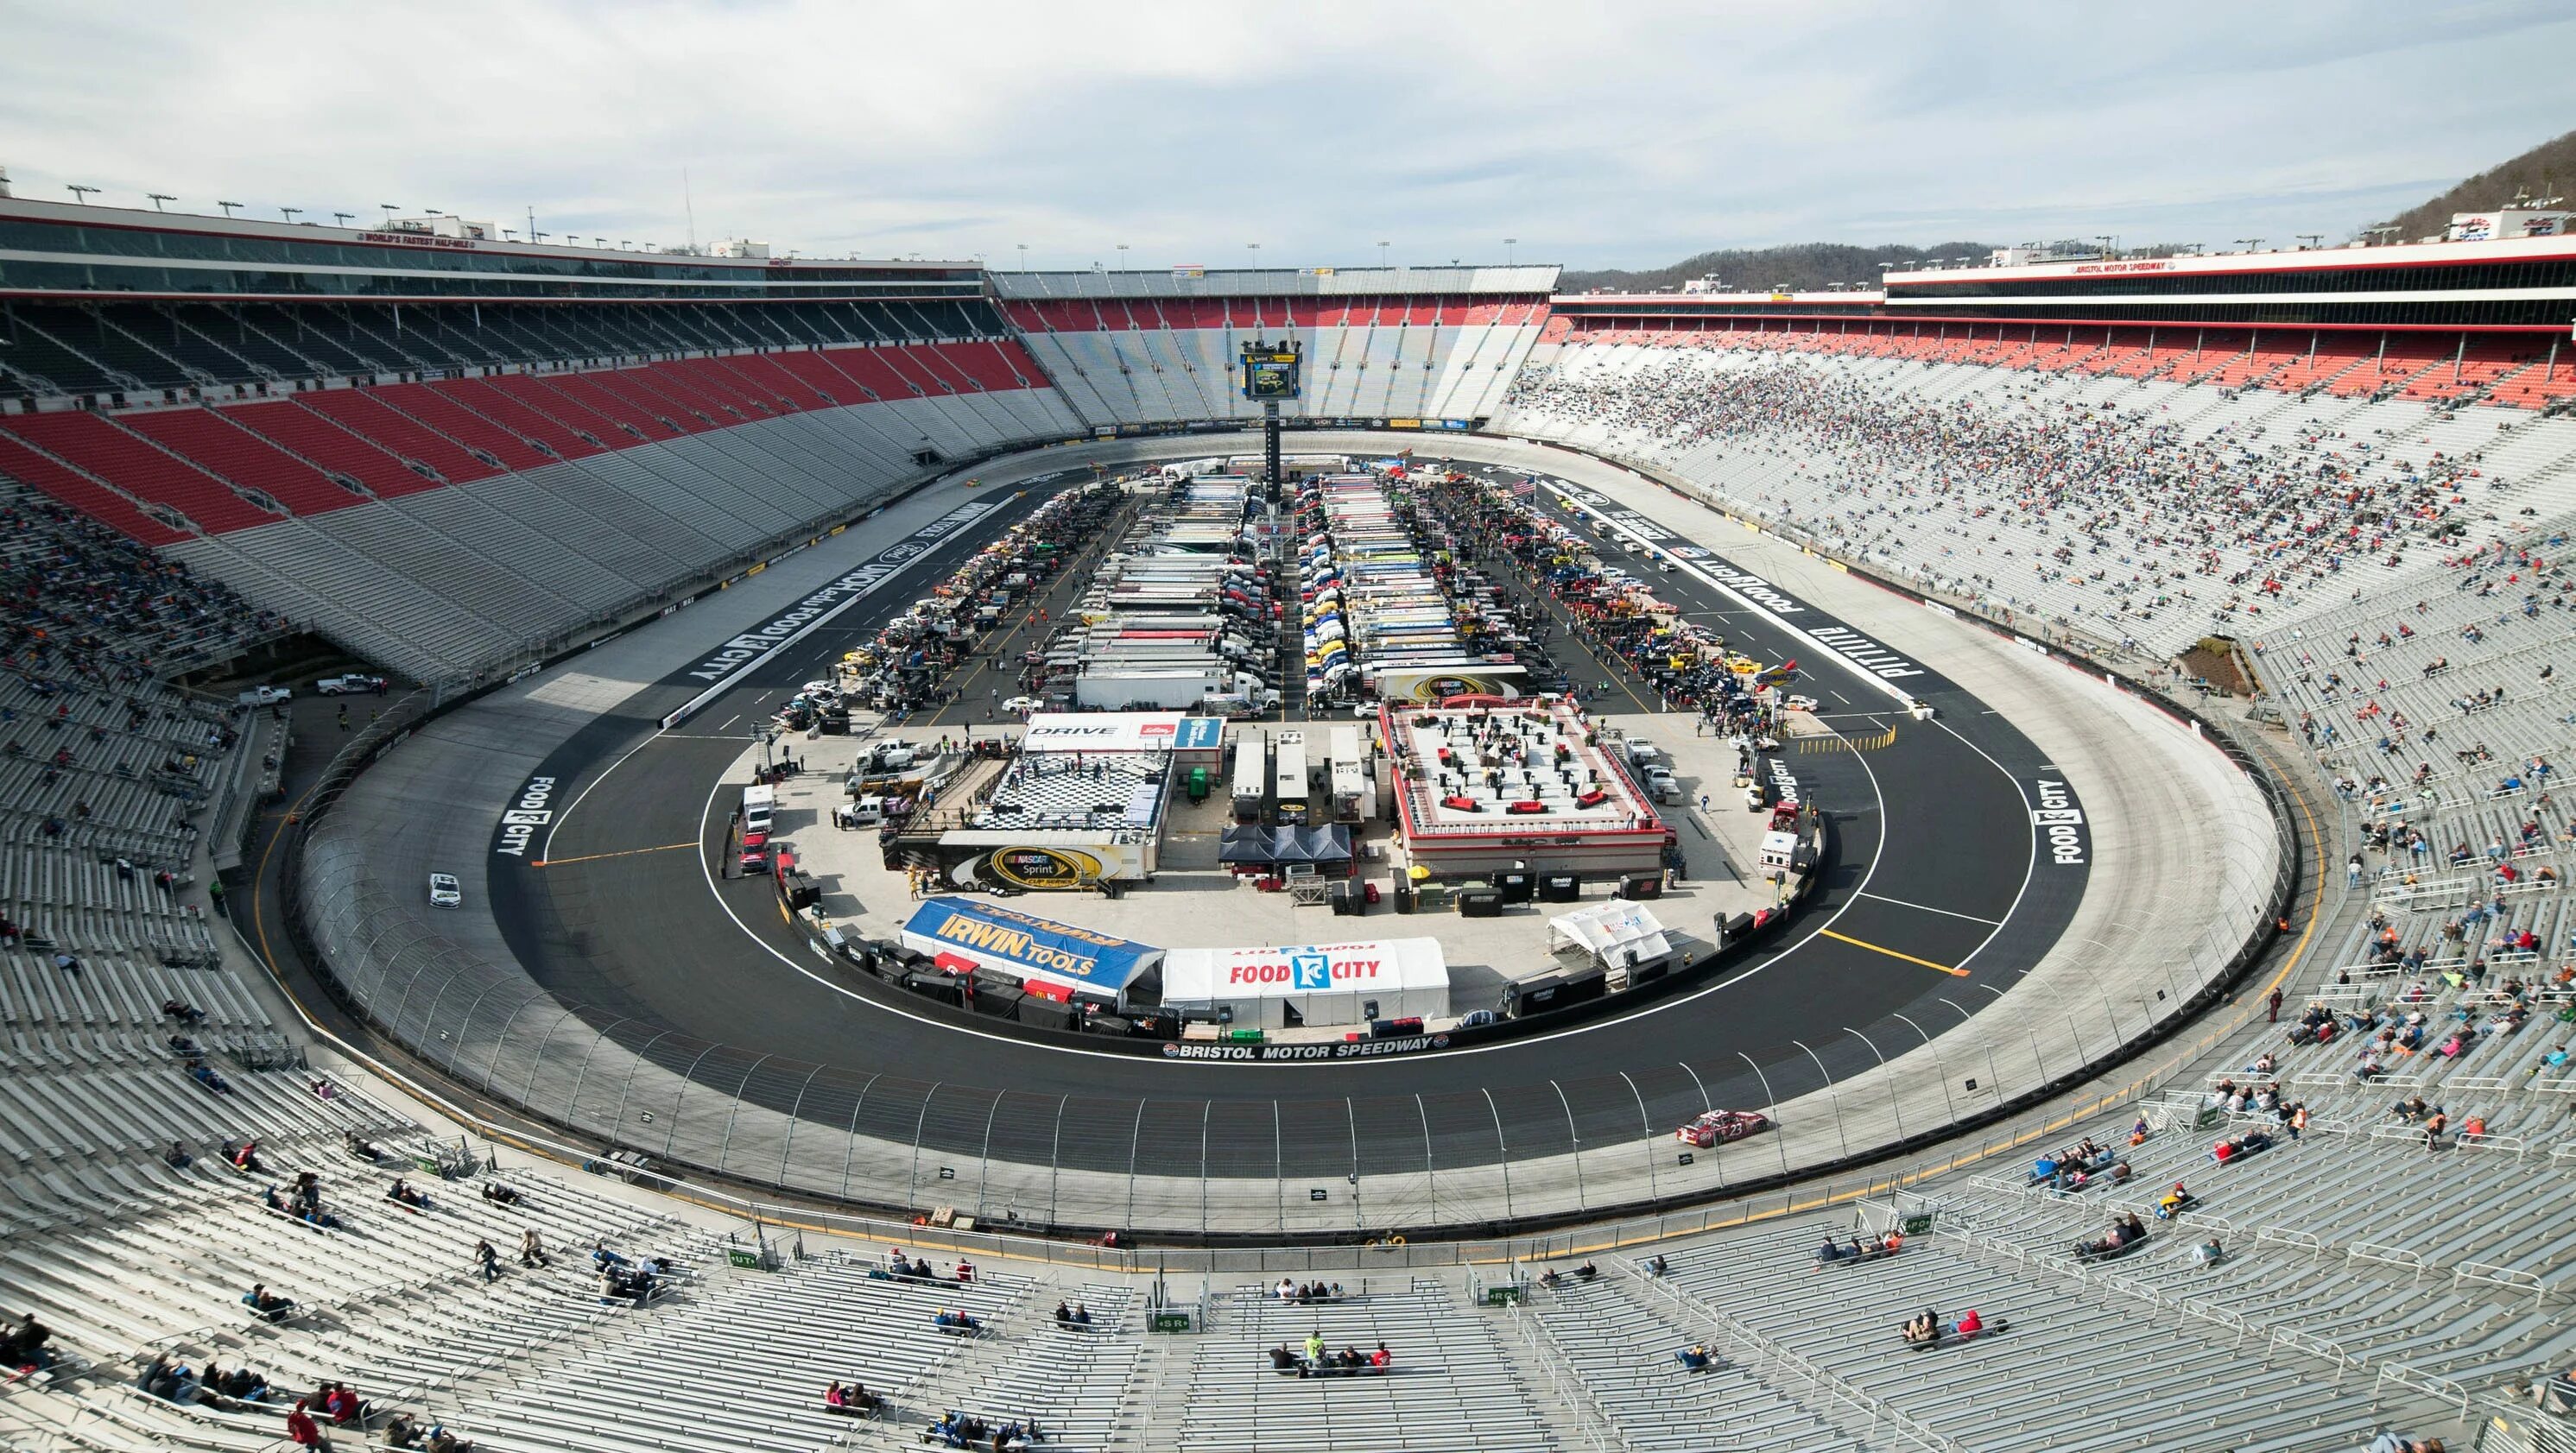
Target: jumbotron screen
(1271, 372)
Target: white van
(759, 803)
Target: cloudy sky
(1625, 133)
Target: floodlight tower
(1272, 372)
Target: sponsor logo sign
(1336, 1050)
(2060, 824)
(1041, 868)
(524, 816)
(733, 656)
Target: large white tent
(1618, 934)
(1329, 983)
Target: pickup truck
(264, 696)
(354, 684)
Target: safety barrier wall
(1505, 1159)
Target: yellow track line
(621, 853)
(1891, 953)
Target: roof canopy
(1615, 932)
(1262, 846)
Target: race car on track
(1719, 1125)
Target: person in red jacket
(302, 1431)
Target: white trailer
(1288, 777)
(1251, 776)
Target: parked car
(1020, 704)
(1720, 1125)
(264, 696)
(445, 891)
(355, 683)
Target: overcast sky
(1617, 134)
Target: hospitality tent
(1335, 983)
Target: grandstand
(448, 489)
(1137, 350)
(2142, 512)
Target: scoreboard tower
(1272, 372)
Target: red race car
(1719, 1125)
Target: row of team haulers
(1275, 777)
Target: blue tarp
(1028, 946)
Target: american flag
(1523, 489)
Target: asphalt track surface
(1937, 898)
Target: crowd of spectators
(2113, 517)
(87, 608)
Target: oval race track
(1934, 904)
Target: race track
(1937, 899)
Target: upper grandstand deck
(52, 249)
(2518, 285)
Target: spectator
(532, 1252)
(490, 1260)
(302, 1431)
(267, 1306)
(2388, 1442)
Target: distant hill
(1803, 267)
(2547, 170)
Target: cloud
(1632, 134)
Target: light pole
(2106, 239)
(390, 210)
(158, 198)
(1256, 255)
(1381, 253)
(2250, 244)
(1508, 244)
(1122, 257)
(2312, 239)
(344, 218)
(79, 193)
(228, 209)
(1024, 256)
(289, 213)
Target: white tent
(1330, 983)
(1616, 934)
